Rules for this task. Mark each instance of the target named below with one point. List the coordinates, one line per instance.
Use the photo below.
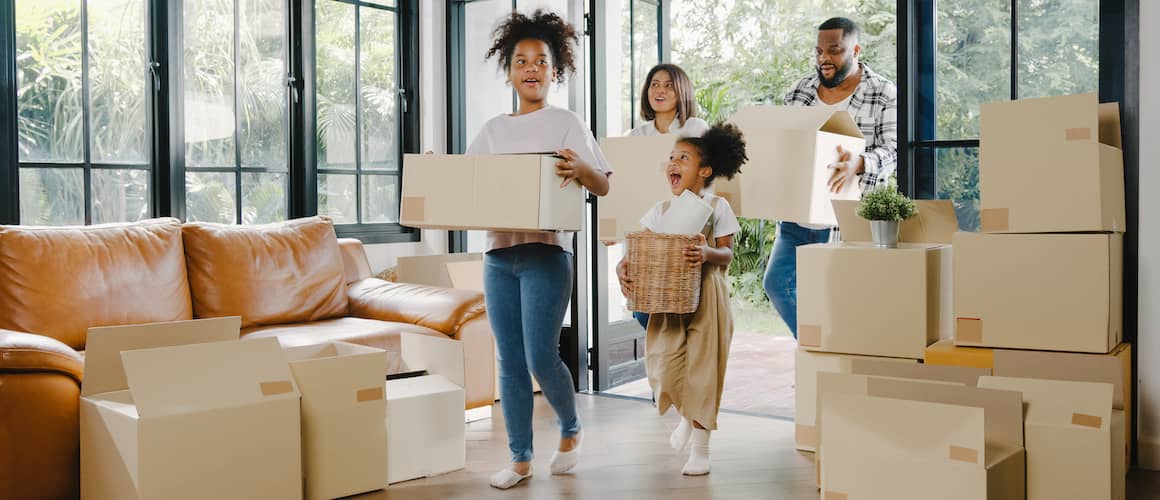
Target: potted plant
(885, 207)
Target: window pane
(120, 195)
(211, 197)
(118, 81)
(48, 81)
(337, 197)
(52, 196)
(1058, 47)
(484, 89)
(335, 60)
(617, 303)
(957, 179)
(380, 198)
(263, 198)
(645, 44)
(380, 137)
(973, 63)
(738, 53)
(628, 84)
(262, 71)
(209, 83)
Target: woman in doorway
(528, 275)
(667, 103)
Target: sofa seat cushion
(373, 333)
(269, 274)
(60, 281)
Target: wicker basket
(663, 281)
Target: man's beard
(840, 75)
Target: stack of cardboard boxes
(185, 410)
(1036, 315)
(1038, 291)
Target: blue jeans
(781, 276)
(527, 288)
(641, 318)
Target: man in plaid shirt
(841, 82)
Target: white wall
(1148, 360)
(433, 109)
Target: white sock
(680, 436)
(507, 478)
(564, 461)
(698, 464)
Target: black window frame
(407, 69)
(164, 32)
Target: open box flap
(936, 222)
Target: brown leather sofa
(295, 281)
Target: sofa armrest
(445, 310)
(31, 353)
(354, 260)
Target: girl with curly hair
(528, 275)
(686, 353)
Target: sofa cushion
(286, 272)
(59, 281)
(379, 334)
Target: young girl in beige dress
(685, 354)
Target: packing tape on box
(1083, 420)
(994, 219)
(969, 330)
(414, 208)
(608, 228)
(810, 335)
(1078, 134)
(372, 394)
(961, 454)
(833, 495)
(806, 435)
(276, 387)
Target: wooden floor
(626, 456)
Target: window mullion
(86, 102)
(237, 111)
(358, 113)
(1014, 50)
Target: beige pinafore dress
(685, 354)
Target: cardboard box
(185, 410)
(1073, 438)
(425, 431)
(1114, 368)
(893, 368)
(890, 439)
(344, 438)
(432, 270)
(1054, 292)
(856, 298)
(494, 192)
(1052, 164)
(640, 182)
(807, 365)
(790, 149)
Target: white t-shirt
(545, 130)
(724, 220)
(842, 105)
(693, 127)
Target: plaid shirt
(874, 107)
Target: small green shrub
(886, 203)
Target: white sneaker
(564, 461)
(507, 478)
